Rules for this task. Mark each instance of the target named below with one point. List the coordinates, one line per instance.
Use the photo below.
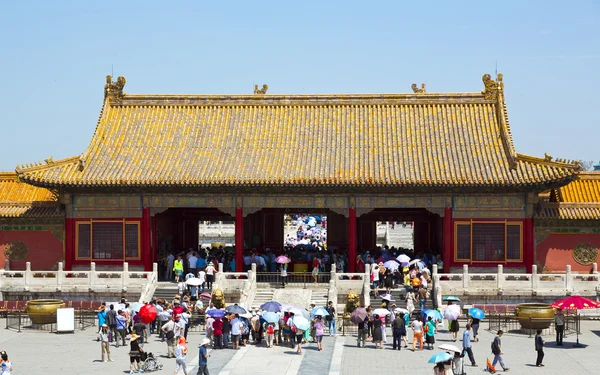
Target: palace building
(158, 164)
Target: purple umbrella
(215, 313)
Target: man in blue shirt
(121, 327)
(203, 358)
(467, 337)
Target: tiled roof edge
(559, 163)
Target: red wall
(555, 251)
(45, 250)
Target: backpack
(270, 330)
(331, 311)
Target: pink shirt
(319, 325)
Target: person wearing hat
(101, 313)
(203, 358)
(180, 353)
(104, 343)
(5, 364)
(135, 354)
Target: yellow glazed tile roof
(570, 211)
(578, 200)
(301, 140)
(19, 199)
(584, 189)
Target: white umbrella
(413, 261)
(286, 307)
(403, 258)
(295, 311)
(387, 297)
(400, 310)
(450, 348)
(381, 312)
(194, 281)
(392, 265)
(452, 312)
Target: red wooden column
(239, 238)
(528, 244)
(154, 247)
(146, 239)
(352, 239)
(69, 244)
(448, 240)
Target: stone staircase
(166, 290)
(319, 297)
(262, 295)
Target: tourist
(184, 321)
(180, 352)
(363, 331)
(104, 344)
(135, 355)
(319, 331)
(422, 294)
(163, 317)
(497, 351)
(226, 330)
(283, 270)
(315, 270)
(255, 326)
(101, 313)
(398, 330)
(475, 325)
(139, 329)
(202, 278)
(375, 278)
(454, 326)
(467, 337)
(269, 329)
(236, 332)
(388, 279)
(111, 318)
(210, 275)
(383, 319)
(193, 263)
(203, 358)
(121, 327)
(360, 264)
(5, 364)
(539, 347)
(377, 335)
(217, 327)
(169, 270)
(559, 324)
(171, 329)
(246, 331)
(370, 324)
(430, 332)
(439, 369)
(417, 328)
(178, 269)
(331, 323)
(299, 334)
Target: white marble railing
(534, 284)
(78, 281)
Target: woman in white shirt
(210, 274)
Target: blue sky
(54, 56)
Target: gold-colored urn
(43, 311)
(534, 315)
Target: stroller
(150, 363)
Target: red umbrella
(205, 295)
(147, 313)
(576, 303)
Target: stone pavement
(79, 353)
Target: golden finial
(261, 91)
(418, 90)
(493, 89)
(114, 90)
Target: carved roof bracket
(261, 91)
(418, 90)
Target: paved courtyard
(79, 353)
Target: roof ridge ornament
(418, 90)
(493, 89)
(261, 91)
(114, 90)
